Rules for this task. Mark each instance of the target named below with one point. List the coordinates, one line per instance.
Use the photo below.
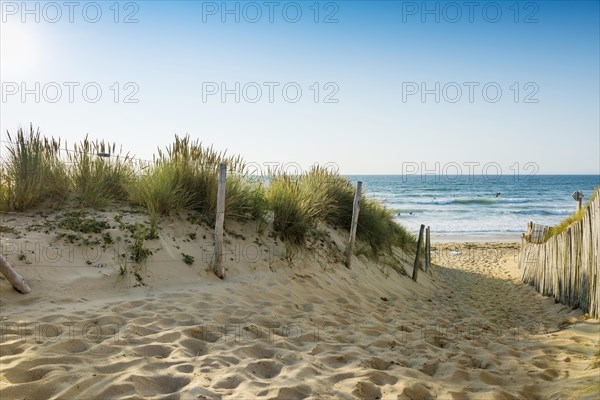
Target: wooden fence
(566, 266)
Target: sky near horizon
(379, 87)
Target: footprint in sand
(298, 392)
(367, 390)
(17, 375)
(185, 368)
(158, 384)
(265, 369)
(416, 392)
(229, 382)
(380, 378)
(153, 350)
(194, 347)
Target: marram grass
(571, 219)
(300, 203)
(297, 207)
(31, 172)
(184, 176)
(158, 189)
(98, 179)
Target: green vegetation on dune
(296, 208)
(184, 177)
(97, 180)
(377, 227)
(571, 219)
(159, 190)
(321, 196)
(79, 222)
(337, 194)
(31, 172)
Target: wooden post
(427, 250)
(418, 255)
(578, 196)
(16, 280)
(218, 265)
(355, 211)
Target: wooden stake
(418, 255)
(16, 280)
(355, 211)
(218, 265)
(427, 250)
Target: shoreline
(475, 238)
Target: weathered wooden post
(578, 196)
(355, 211)
(16, 280)
(418, 255)
(427, 250)
(218, 264)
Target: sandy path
(470, 330)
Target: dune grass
(32, 171)
(376, 223)
(297, 207)
(159, 190)
(376, 226)
(184, 176)
(571, 219)
(99, 174)
(336, 196)
(300, 203)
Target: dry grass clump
(99, 174)
(31, 172)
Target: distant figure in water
(498, 194)
(410, 213)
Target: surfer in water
(497, 194)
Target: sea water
(472, 208)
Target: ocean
(467, 208)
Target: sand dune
(281, 329)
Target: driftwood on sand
(16, 280)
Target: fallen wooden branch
(16, 280)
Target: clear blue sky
(375, 61)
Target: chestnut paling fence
(567, 265)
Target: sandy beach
(336, 200)
(278, 327)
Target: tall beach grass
(297, 207)
(184, 176)
(31, 171)
(301, 203)
(99, 174)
